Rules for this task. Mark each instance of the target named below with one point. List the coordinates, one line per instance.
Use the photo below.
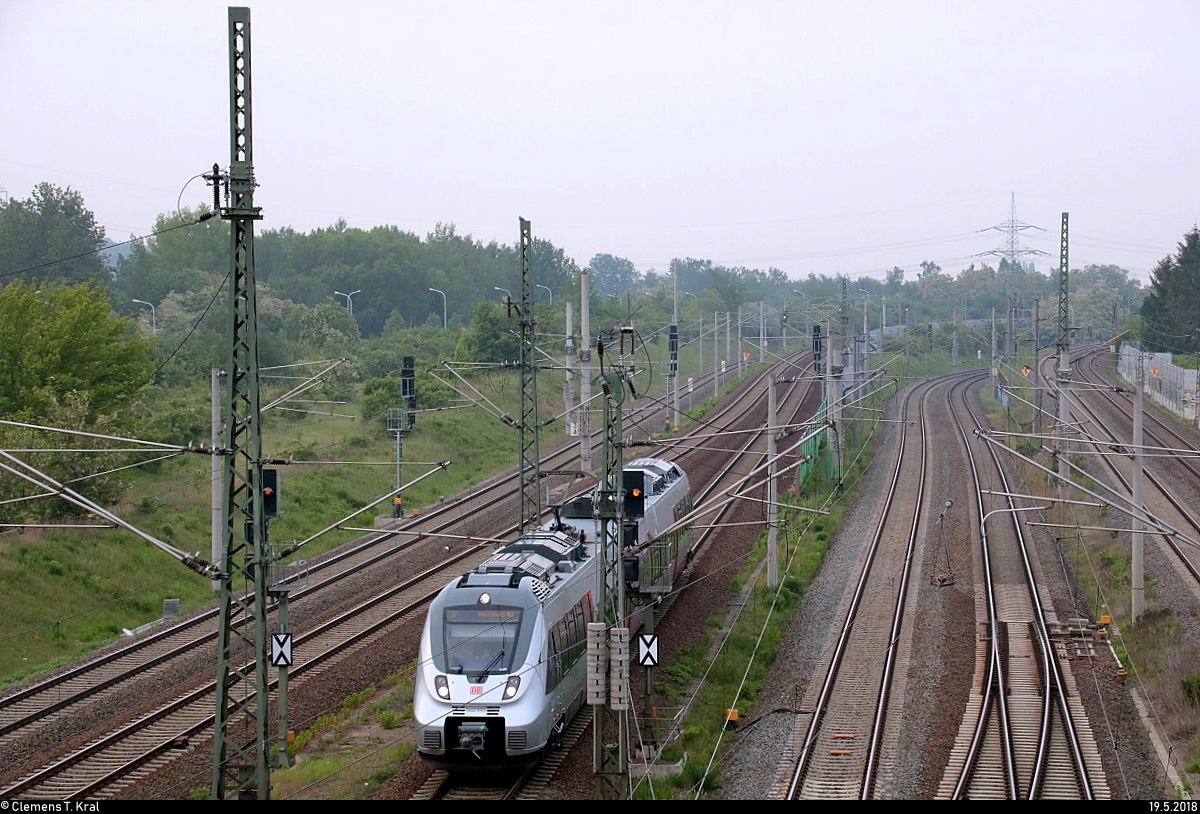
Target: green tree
(181, 256)
(1101, 298)
(551, 266)
(1171, 311)
(929, 269)
(492, 336)
(383, 393)
(692, 275)
(612, 275)
(69, 364)
(58, 340)
(326, 330)
(51, 236)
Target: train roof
(658, 466)
(541, 554)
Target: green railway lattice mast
(1063, 363)
(240, 728)
(531, 503)
(611, 720)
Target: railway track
(1171, 464)
(729, 450)
(130, 713)
(1020, 720)
(836, 748)
(1027, 735)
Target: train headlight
(510, 689)
(443, 687)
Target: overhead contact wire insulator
(214, 178)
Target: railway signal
(270, 490)
(635, 498)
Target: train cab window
(478, 646)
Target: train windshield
(480, 641)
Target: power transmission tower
(240, 749)
(1012, 228)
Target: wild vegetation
(1170, 313)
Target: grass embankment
(70, 591)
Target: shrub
(1191, 688)
(390, 719)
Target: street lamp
(802, 297)
(505, 290)
(153, 317)
(443, 293)
(548, 291)
(349, 299)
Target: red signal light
(270, 492)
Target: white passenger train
(658, 495)
(502, 668)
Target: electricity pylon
(1012, 228)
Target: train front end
(479, 693)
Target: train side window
(579, 632)
(553, 662)
(573, 625)
(573, 637)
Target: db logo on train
(476, 690)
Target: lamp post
(153, 317)
(505, 290)
(349, 299)
(882, 321)
(907, 308)
(443, 293)
(548, 291)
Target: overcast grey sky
(834, 137)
